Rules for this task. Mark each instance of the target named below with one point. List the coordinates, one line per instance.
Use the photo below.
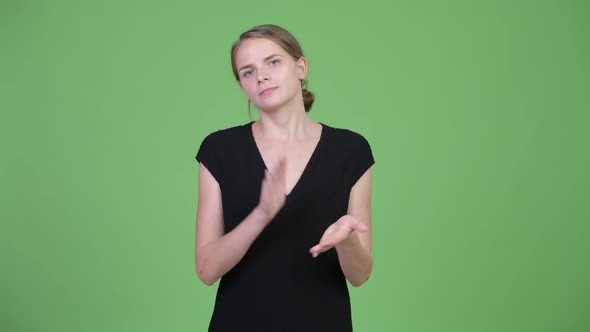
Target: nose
(262, 76)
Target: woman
(275, 195)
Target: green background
(477, 113)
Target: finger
(315, 251)
(315, 248)
(318, 249)
(328, 241)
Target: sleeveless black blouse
(278, 285)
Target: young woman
(284, 202)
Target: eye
(246, 73)
(277, 60)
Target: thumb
(358, 226)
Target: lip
(267, 90)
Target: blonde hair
(286, 41)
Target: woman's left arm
(351, 235)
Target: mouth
(267, 91)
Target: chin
(267, 108)
(275, 104)
(270, 106)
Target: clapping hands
(272, 193)
(272, 199)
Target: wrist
(262, 216)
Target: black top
(278, 285)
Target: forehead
(255, 49)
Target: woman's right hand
(272, 193)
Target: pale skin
(286, 138)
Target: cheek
(248, 88)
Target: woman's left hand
(336, 233)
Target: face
(263, 64)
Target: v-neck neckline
(307, 165)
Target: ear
(302, 68)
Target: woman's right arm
(215, 252)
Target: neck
(289, 123)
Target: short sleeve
(208, 155)
(362, 159)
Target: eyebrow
(268, 57)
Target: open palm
(336, 233)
